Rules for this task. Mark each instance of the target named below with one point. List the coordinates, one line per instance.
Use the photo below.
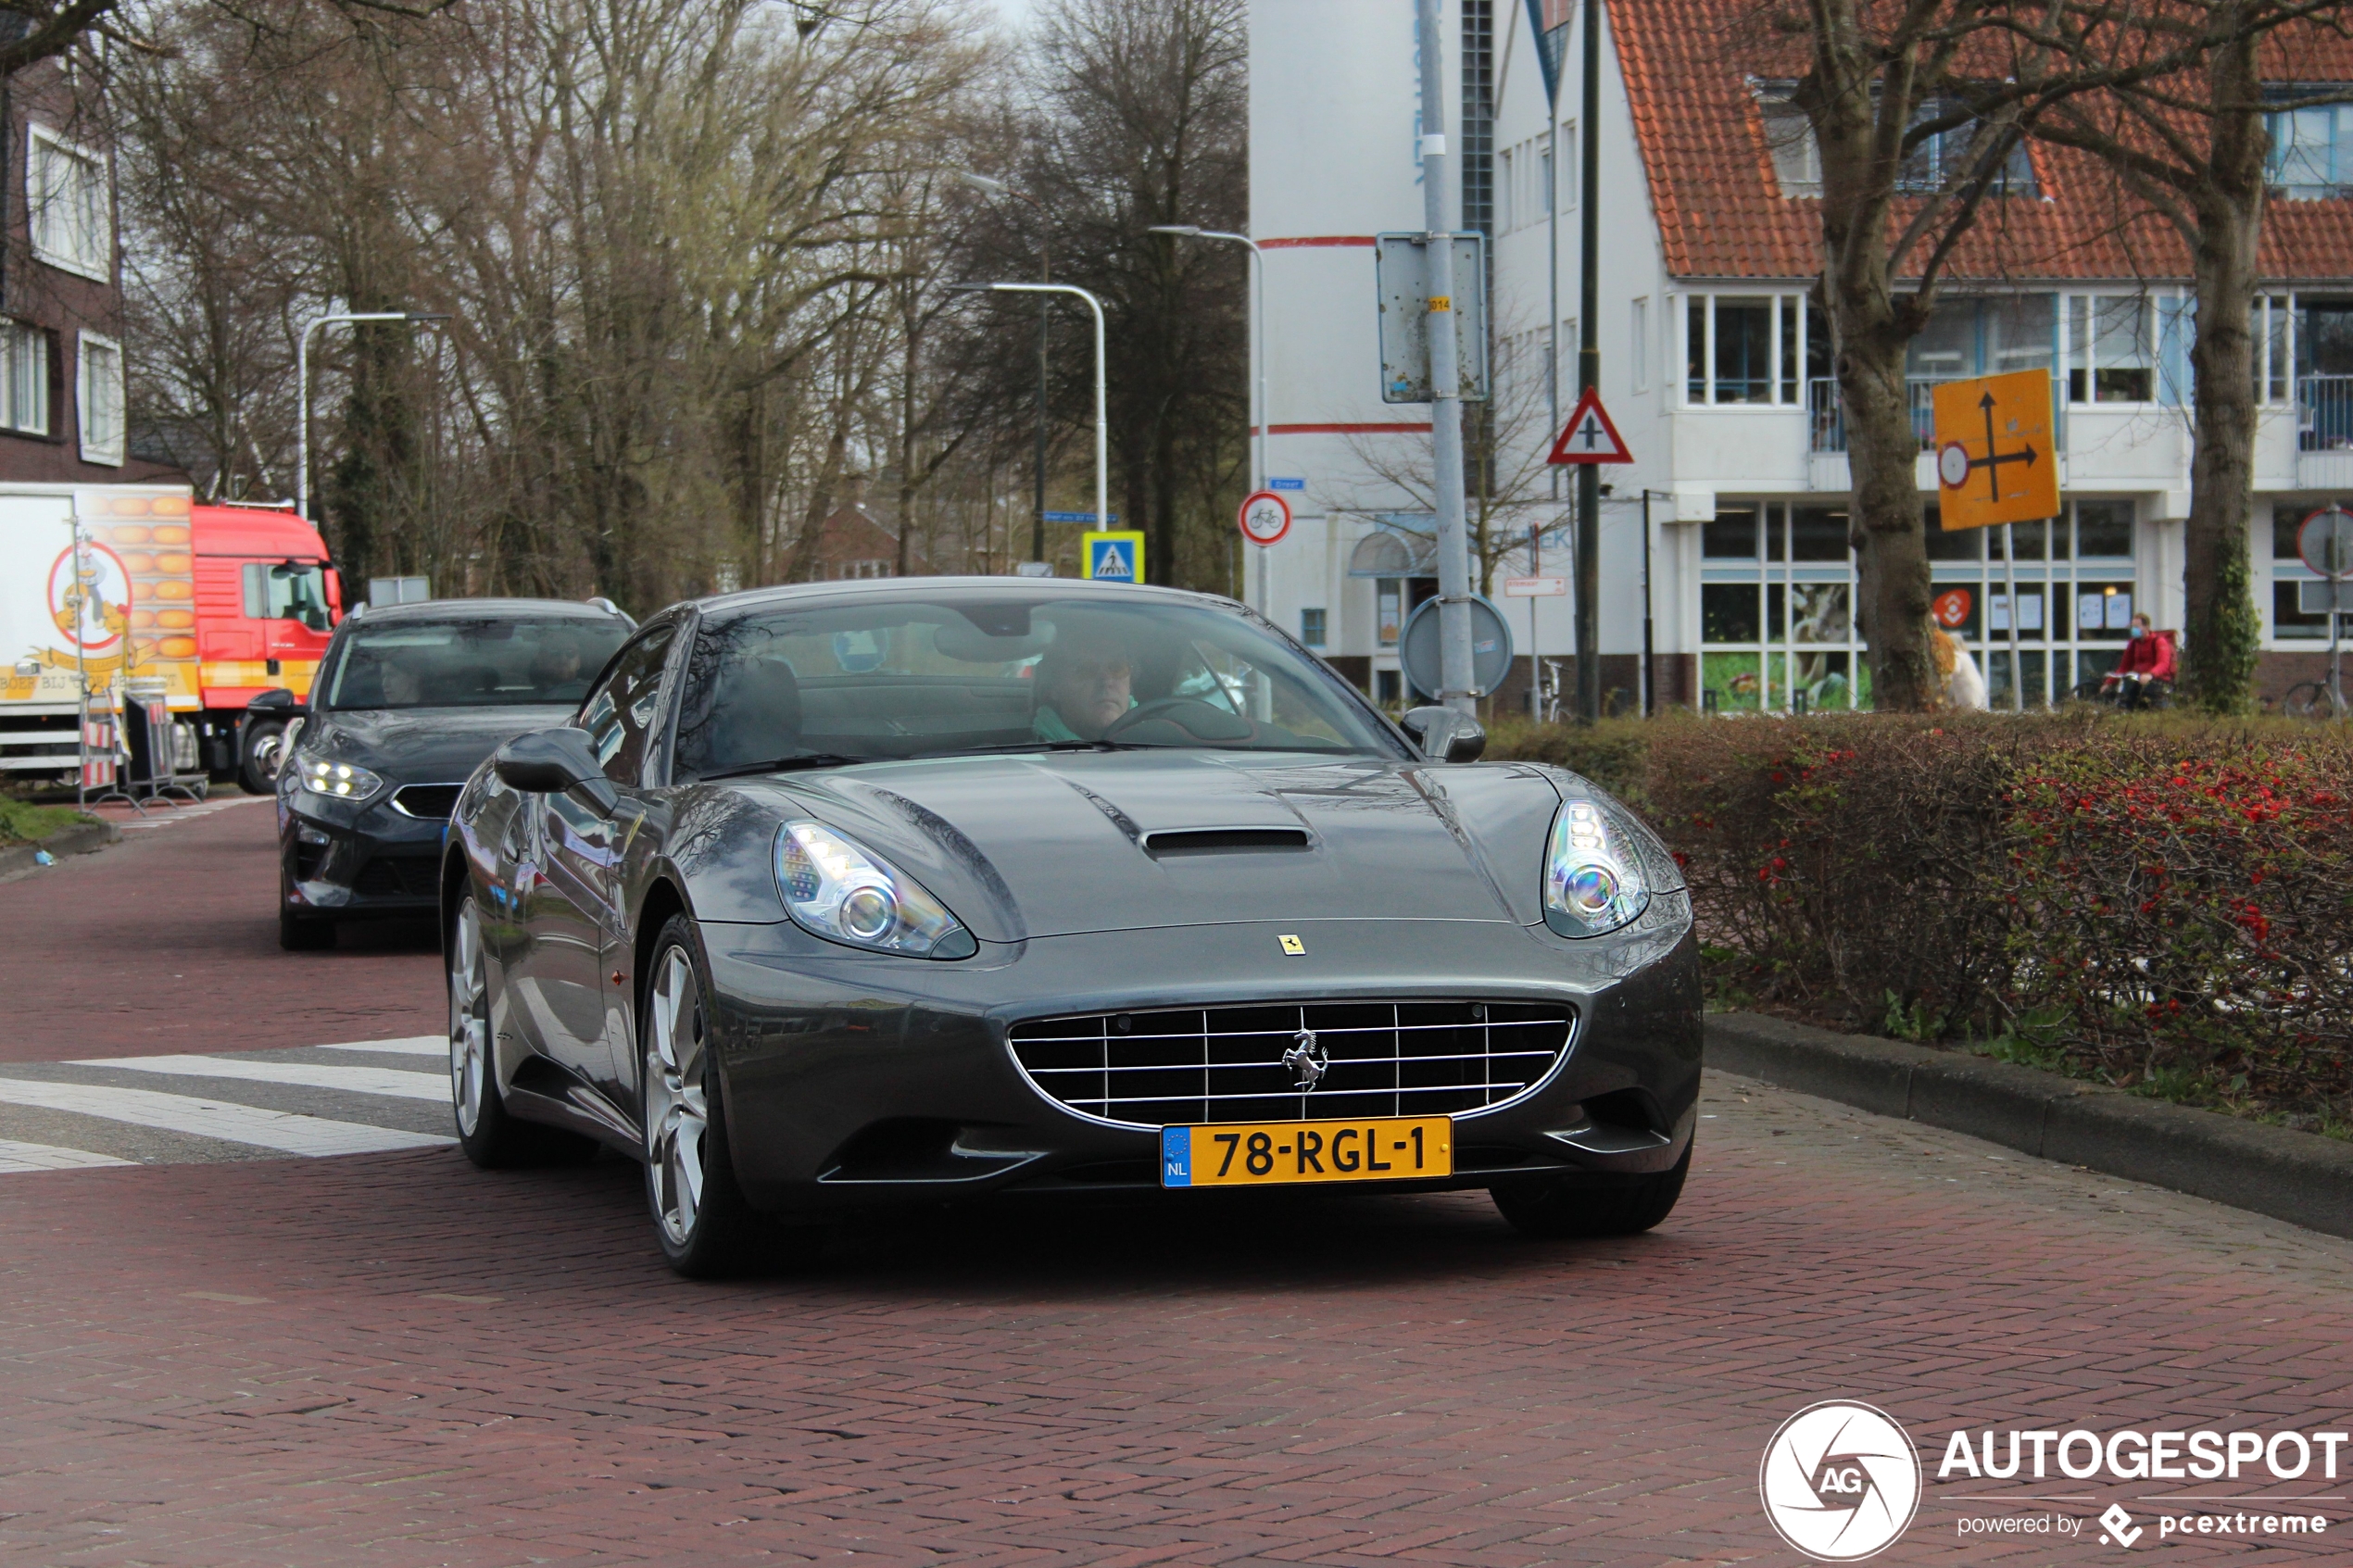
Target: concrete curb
(2301, 1177)
(83, 838)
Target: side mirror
(555, 763)
(278, 703)
(1445, 736)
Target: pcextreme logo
(1840, 1481)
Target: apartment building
(1728, 535)
(64, 408)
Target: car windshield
(897, 678)
(481, 661)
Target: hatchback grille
(431, 803)
(1226, 1064)
(397, 876)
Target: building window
(1572, 172)
(24, 378)
(2311, 148)
(1778, 591)
(1311, 628)
(1948, 155)
(1748, 349)
(72, 210)
(1388, 610)
(2109, 341)
(101, 390)
(1639, 360)
(1798, 160)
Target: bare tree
(2190, 146)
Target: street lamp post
(1258, 351)
(982, 183)
(302, 386)
(1102, 423)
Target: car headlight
(1593, 878)
(338, 781)
(840, 892)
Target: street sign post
(1418, 650)
(1115, 555)
(1590, 437)
(2326, 544)
(1400, 281)
(1994, 456)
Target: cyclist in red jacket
(2147, 661)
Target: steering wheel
(1201, 721)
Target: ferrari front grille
(1250, 1063)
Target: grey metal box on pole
(1400, 281)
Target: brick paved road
(391, 1358)
(168, 942)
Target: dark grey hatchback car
(409, 700)
(849, 894)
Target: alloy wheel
(469, 1019)
(677, 1111)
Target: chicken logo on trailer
(90, 597)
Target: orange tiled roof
(1687, 65)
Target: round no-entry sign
(1265, 517)
(1953, 465)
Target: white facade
(1333, 120)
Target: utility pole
(1440, 215)
(1589, 376)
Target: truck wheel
(1554, 1208)
(296, 934)
(258, 754)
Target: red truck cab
(266, 601)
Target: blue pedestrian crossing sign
(1115, 556)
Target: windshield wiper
(1022, 745)
(787, 765)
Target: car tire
(707, 1229)
(260, 750)
(1558, 1207)
(299, 934)
(491, 1135)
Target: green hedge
(2163, 903)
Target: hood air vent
(1224, 841)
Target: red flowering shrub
(2145, 897)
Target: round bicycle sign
(2326, 542)
(1265, 517)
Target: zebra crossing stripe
(413, 1045)
(397, 1083)
(284, 1131)
(15, 1156)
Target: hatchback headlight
(338, 781)
(843, 894)
(1593, 881)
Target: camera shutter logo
(1840, 1481)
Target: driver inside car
(1085, 683)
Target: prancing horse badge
(1293, 946)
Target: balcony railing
(2323, 413)
(1826, 417)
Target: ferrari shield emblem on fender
(1293, 946)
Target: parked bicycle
(2314, 699)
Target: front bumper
(341, 861)
(855, 1080)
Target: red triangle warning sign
(1590, 437)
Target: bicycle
(2314, 699)
(2116, 695)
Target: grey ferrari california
(852, 894)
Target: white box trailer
(97, 586)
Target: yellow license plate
(1378, 1149)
